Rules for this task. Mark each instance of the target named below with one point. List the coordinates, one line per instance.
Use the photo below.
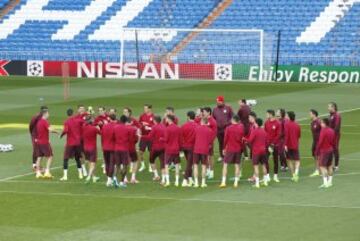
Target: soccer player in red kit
(335, 124)
(315, 126)
(122, 136)
(146, 121)
(127, 111)
(273, 129)
(222, 113)
(73, 131)
(325, 149)
(233, 138)
(206, 113)
(170, 111)
(33, 134)
(157, 137)
(292, 137)
(243, 113)
(42, 144)
(102, 118)
(281, 116)
(204, 138)
(108, 147)
(252, 126)
(172, 149)
(134, 138)
(258, 142)
(81, 114)
(188, 141)
(89, 133)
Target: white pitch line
(181, 199)
(152, 182)
(327, 114)
(28, 174)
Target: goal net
(205, 54)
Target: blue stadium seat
(33, 40)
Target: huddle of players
(164, 139)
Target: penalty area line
(200, 200)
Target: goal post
(208, 54)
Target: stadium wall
(218, 72)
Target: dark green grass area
(33, 209)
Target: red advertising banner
(107, 70)
(196, 71)
(54, 68)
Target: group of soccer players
(240, 136)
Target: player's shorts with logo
(200, 159)
(232, 158)
(325, 159)
(258, 159)
(121, 158)
(144, 144)
(172, 158)
(43, 150)
(91, 155)
(71, 152)
(292, 154)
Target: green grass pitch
(39, 210)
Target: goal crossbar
(124, 37)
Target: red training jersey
(315, 129)
(157, 137)
(292, 135)
(42, 129)
(244, 113)
(122, 137)
(133, 138)
(135, 123)
(102, 120)
(73, 131)
(258, 141)
(90, 133)
(204, 138)
(273, 131)
(335, 122)
(146, 122)
(81, 121)
(107, 137)
(32, 125)
(176, 121)
(326, 141)
(233, 138)
(188, 135)
(172, 139)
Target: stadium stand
(321, 32)
(3, 3)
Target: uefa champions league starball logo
(223, 73)
(35, 69)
